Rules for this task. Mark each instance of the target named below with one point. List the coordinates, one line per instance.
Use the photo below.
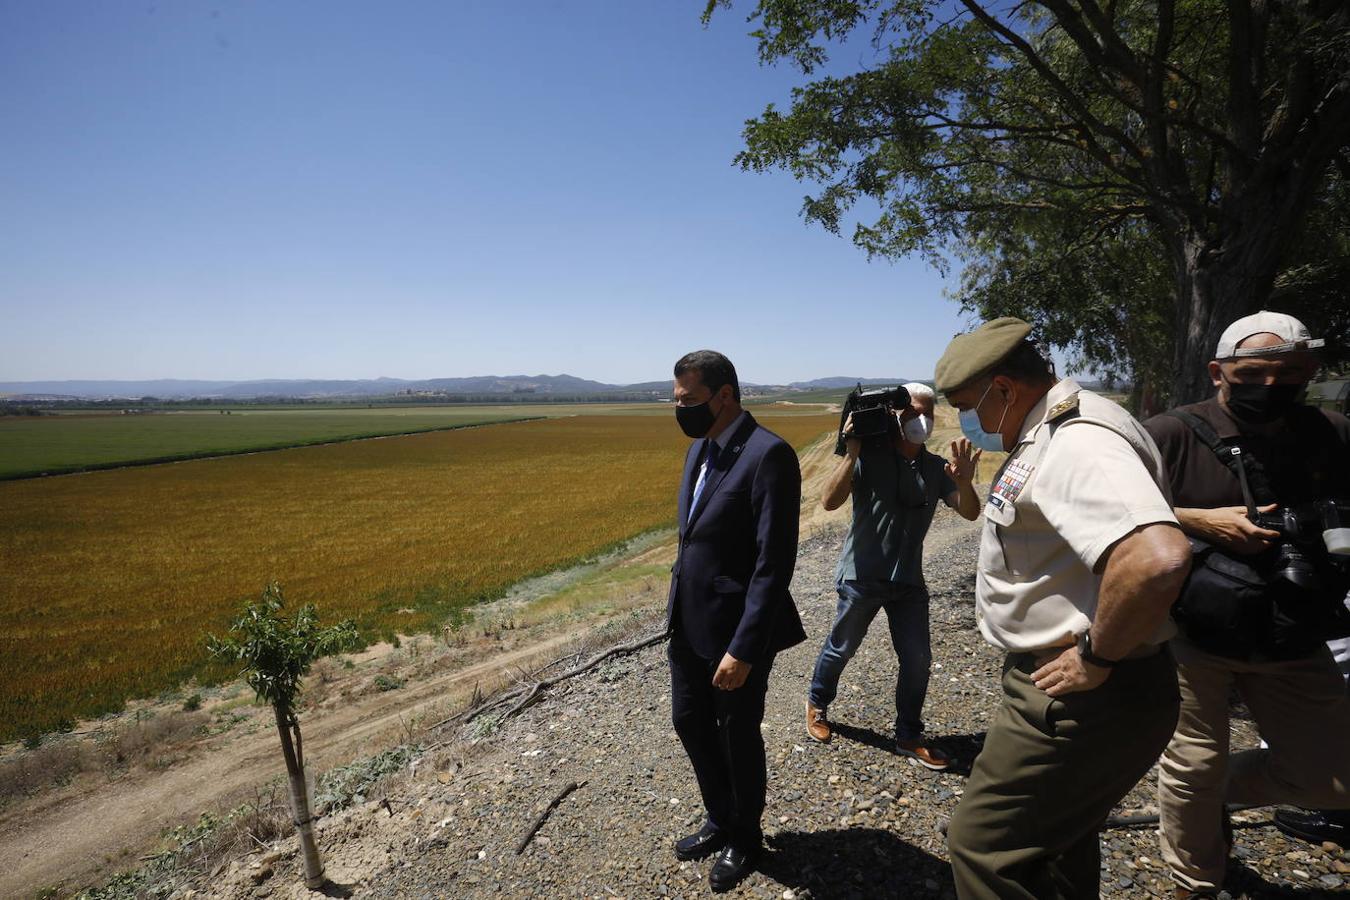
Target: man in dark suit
(729, 610)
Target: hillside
(537, 386)
(845, 820)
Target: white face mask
(917, 429)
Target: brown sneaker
(923, 755)
(816, 724)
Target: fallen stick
(473, 712)
(620, 650)
(1153, 818)
(533, 693)
(539, 820)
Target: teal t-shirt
(893, 504)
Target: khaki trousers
(1048, 776)
(1301, 710)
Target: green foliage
(388, 682)
(149, 882)
(1109, 303)
(162, 874)
(277, 652)
(192, 703)
(348, 785)
(1128, 175)
(485, 726)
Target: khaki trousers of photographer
(1301, 710)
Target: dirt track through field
(72, 840)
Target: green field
(823, 395)
(75, 442)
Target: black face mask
(696, 421)
(1261, 403)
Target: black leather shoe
(1314, 826)
(704, 842)
(731, 868)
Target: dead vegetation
(150, 740)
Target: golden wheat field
(109, 580)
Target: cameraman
(1253, 633)
(896, 485)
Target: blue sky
(416, 189)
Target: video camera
(873, 412)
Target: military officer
(1080, 560)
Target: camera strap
(1230, 455)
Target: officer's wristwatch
(1086, 655)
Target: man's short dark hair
(713, 369)
(1025, 363)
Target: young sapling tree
(276, 652)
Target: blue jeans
(907, 614)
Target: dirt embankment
(849, 819)
(70, 837)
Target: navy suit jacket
(729, 584)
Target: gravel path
(845, 820)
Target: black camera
(873, 412)
(1311, 537)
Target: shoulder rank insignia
(1062, 408)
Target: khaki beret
(978, 351)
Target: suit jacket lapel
(725, 460)
(692, 461)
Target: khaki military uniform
(1083, 475)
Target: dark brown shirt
(1307, 458)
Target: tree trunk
(1217, 282)
(304, 824)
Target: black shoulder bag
(1236, 605)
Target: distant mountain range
(840, 381)
(545, 385)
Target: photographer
(1252, 472)
(896, 485)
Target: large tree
(1108, 300)
(1199, 131)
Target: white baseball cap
(1285, 327)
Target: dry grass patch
(144, 741)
